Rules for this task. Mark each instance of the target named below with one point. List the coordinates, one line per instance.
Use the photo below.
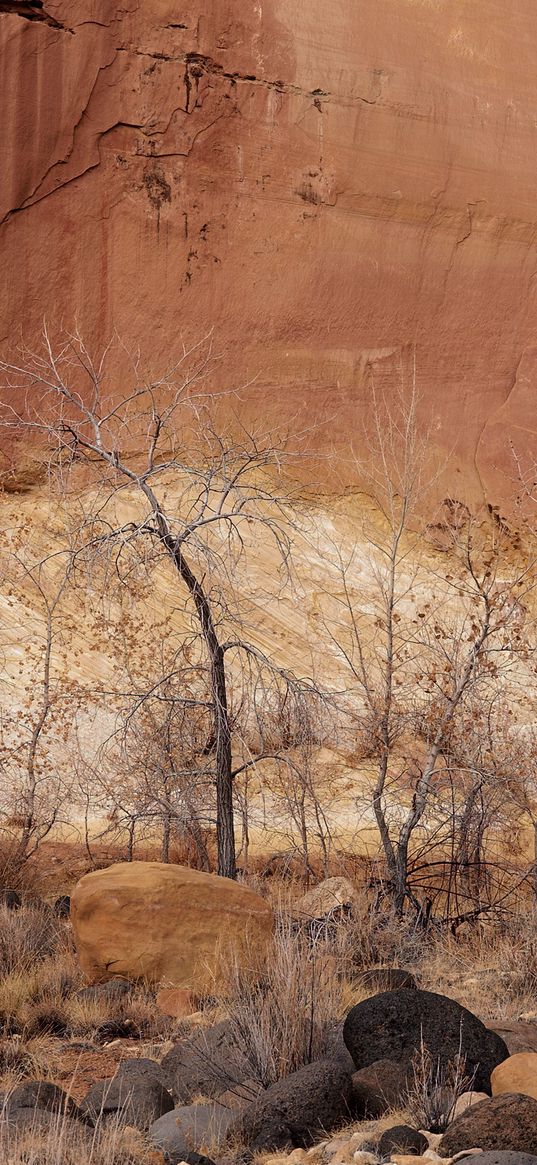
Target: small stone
(433, 1139)
(466, 1100)
(401, 1139)
(409, 1159)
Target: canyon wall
(344, 190)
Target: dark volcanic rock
(111, 991)
(140, 1100)
(392, 1025)
(401, 1139)
(189, 1128)
(42, 1121)
(378, 1088)
(206, 1064)
(143, 1066)
(298, 1108)
(42, 1094)
(506, 1122)
(501, 1157)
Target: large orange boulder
(166, 923)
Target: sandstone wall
(337, 187)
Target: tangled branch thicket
(418, 687)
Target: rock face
(167, 923)
(517, 1074)
(393, 1024)
(332, 188)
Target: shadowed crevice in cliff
(31, 10)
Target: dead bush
(27, 936)
(283, 1017)
(435, 1089)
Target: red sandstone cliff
(332, 185)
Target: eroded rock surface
(343, 192)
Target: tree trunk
(130, 843)
(225, 830)
(535, 859)
(225, 833)
(166, 834)
(400, 879)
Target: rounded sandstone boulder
(330, 896)
(517, 1074)
(166, 923)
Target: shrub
(435, 1089)
(283, 1018)
(27, 936)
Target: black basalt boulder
(394, 1024)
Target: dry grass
(284, 1016)
(491, 969)
(27, 937)
(36, 1058)
(68, 1142)
(434, 1090)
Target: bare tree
(36, 731)
(155, 479)
(438, 626)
